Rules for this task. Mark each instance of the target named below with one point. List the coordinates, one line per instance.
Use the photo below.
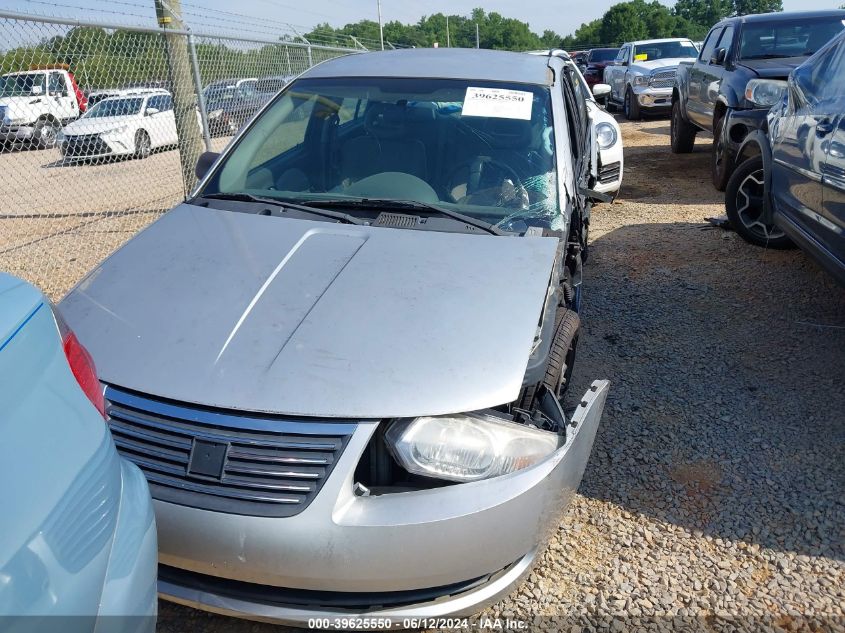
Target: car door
(832, 221)
(168, 121)
(695, 100)
(712, 71)
(153, 120)
(61, 98)
(800, 142)
(615, 74)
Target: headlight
(606, 135)
(215, 113)
(764, 93)
(117, 130)
(467, 447)
(641, 80)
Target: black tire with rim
(45, 133)
(681, 132)
(632, 106)
(143, 146)
(561, 357)
(719, 163)
(744, 204)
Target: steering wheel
(477, 167)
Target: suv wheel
(46, 132)
(632, 106)
(681, 133)
(719, 162)
(745, 202)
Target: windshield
(483, 149)
(220, 93)
(664, 50)
(793, 38)
(22, 85)
(603, 54)
(115, 107)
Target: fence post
(206, 134)
(169, 14)
(310, 59)
(287, 54)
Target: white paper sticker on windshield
(498, 102)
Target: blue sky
(562, 16)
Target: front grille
(85, 145)
(250, 464)
(609, 173)
(663, 79)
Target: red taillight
(81, 365)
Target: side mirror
(204, 163)
(719, 56)
(152, 111)
(601, 90)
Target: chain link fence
(100, 126)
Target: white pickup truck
(36, 103)
(642, 76)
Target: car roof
(784, 16)
(439, 63)
(132, 95)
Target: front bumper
(738, 125)
(16, 133)
(89, 146)
(453, 550)
(653, 98)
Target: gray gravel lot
(714, 496)
(713, 500)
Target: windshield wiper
(407, 205)
(284, 204)
(764, 56)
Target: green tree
(746, 7)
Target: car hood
(97, 125)
(308, 318)
(657, 64)
(773, 68)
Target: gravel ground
(713, 499)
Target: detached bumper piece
(224, 461)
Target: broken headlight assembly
(467, 447)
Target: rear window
(603, 54)
(792, 38)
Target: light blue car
(77, 532)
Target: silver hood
(308, 318)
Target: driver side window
(623, 54)
(710, 44)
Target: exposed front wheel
(143, 146)
(561, 357)
(745, 202)
(681, 133)
(632, 106)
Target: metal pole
(380, 27)
(310, 58)
(448, 39)
(169, 14)
(200, 96)
(477, 39)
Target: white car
(608, 162)
(128, 125)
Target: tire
(681, 132)
(561, 357)
(744, 200)
(719, 160)
(143, 146)
(632, 106)
(45, 133)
